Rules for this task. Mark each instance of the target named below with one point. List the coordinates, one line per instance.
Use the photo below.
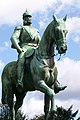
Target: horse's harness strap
(45, 57)
(50, 67)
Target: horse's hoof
(60, 89)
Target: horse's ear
(65, 18)
(55, 18)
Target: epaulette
(18, 27)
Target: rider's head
(27, 18)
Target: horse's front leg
(41, 85)
(49, 110)
(53, 106)
(46, 105)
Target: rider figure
(24, 38)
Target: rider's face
(27, 20)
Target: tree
(4, 112)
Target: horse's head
(60, 32)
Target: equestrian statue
(35, 68)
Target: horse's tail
(6, 79)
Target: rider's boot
(58, 87)
(20, 72)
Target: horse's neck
(45, 51)
(46, 46)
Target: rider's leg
(20, 71)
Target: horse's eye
(64, 31)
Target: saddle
(29, 55)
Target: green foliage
(38, 117)
(61, 114)
(20, 116)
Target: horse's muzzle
(62, 49)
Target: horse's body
(41, 73)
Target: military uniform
(26, 37)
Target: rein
(43, 56)
(46, 57)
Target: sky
(68, 66)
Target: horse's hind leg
(7, 94)
(19, 101)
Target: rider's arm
(15, 38)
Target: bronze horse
(41, 73)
